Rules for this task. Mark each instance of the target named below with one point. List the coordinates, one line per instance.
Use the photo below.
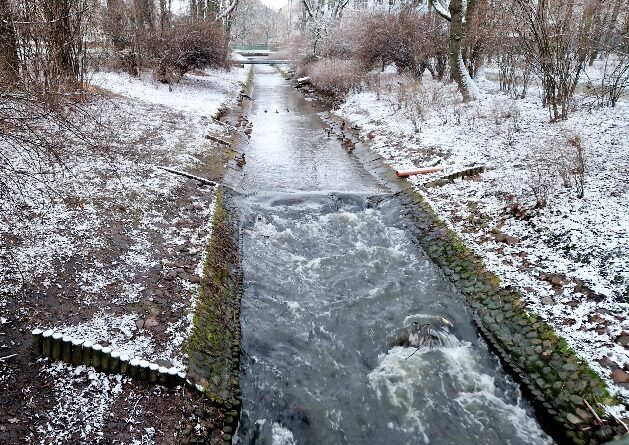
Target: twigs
(598, 419)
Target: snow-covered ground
(114, 255)
(570, 258)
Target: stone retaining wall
(552, 377)
(214, 345)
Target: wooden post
(124, 364)
(97, 355)
(66, 349)
(163, 375)
(47, 343)
(37, 341)
(104, 364)
(114, 362)
(134, 368)
(144, 370)
(56, 345)
(77, 351)
(87, 353)
(153, 374)
(172, 377)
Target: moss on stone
(216, 321)
(521, 337)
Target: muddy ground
(115, 260)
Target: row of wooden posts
(78, 352)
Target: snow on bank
(570, 258)
(114, 256)
(203, 93)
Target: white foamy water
(405, 377)
(281, 435)
(333, 283)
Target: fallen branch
(598, 419)
(188, 175)
(215, 139)
(7, 357)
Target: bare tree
(145, 15)
(9, 62)
(215, 10)
(615, 79)
(454, 12)
(556, 36)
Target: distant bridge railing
(261, 62)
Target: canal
(350, 334)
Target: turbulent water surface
(337, 299)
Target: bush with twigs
(187, 46)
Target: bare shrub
(571, 164)
(51, 41)
(190, 45)
(558, 160)
(541, 175)
(413, 42)
(341, 39)
(615, 79)
(335, 77)
(578, 164)
(555, 36)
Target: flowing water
(350, 334)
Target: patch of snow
(581, 240)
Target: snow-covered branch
(441, 9)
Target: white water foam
(281, 435)
(404, 374)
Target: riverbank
(486, 211)
(117, 257)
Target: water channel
(333, 285)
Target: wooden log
(181, 375)
(417, 171)
(172, 379)
(106, 360)
(134, 368)
(87, 353)
(47, 343)
(162, 377)
(124, 364)
(77, 351)
(153, 374)
(218, 140)
(114, 362)
(144, 370)
(56, 345)
(97, 356)
(188, 175)
(66, 349)
(37, 341)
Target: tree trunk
(164, 15)
(9, 62)
(144, 14)
(115, 18)
(460, 74)
(61, 40)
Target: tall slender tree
(454, 11)
(9, 62)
